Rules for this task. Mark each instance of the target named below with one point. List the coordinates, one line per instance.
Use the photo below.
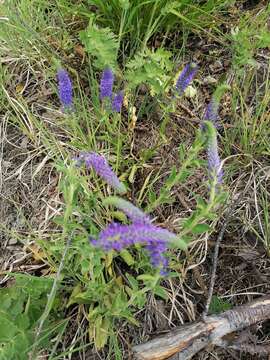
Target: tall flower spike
(106, 84)
(211, 113)
(64, 88)
(185, 77)
(117, 237)
(102, 168)
(214, 163)
(136, 215)
(117, 101)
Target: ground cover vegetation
(128, 129)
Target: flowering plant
(105, 233)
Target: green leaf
(150, 68)
(159, 291)
(200, 228)
(264, 39)
(146, 277)
(102, 326)
(119, 215)
(170, 181)
(151, 197)
(127, 257)
(7, 329)
(73, 297)
(201, 203)
(218, 305)
(100, 43)
(179, 244)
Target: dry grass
(32, 132)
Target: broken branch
(189, 339)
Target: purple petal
(135, 214)
(102, 168)
(106, 84)
(214, 162)
(211, 113)
(117, 101)
(64, 88)
(186, 77)
(117, 237)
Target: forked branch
(187, 340)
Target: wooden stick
(190, 339)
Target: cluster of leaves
(107, 295)
(101, 43)
(251, 34)
(151, 68)
(21, 306)
(137, 21)
(148, 67)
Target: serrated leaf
(102, 44)
(150, 68)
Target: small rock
(12, 241)
(190, 92)
(24, 142)
(210, 80)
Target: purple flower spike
(106, 84)
(117, 101)
(117, 237)
(214, 163)
(136, 215)
(102, 168)
(64, 88)
(186, 77)
(211, 113)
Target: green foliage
(218, 305)
(21, 306)
(188, 165)
(137, 21)
(29, 31)
(151, 68)
(250, 35)
(105, 295)
(101, 44)
(104, 287)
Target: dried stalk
(190, 339)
